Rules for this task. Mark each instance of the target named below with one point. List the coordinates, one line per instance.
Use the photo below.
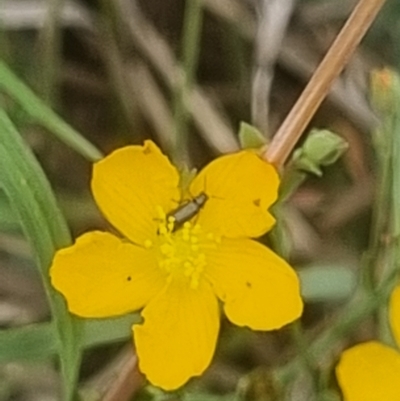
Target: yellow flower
(178, 275)
(370, 371)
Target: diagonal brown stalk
(331, 66)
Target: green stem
(192, 27)
(358, 310)
(384, 251)
(50, 60)
(379, 255)
(380, 215)
(306, 359)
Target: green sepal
(250, 137)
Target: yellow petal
(178, 338)
(130, 184)
(394, 313)
(260, 289)
(102, 276)
(241, 187)
(369, 372)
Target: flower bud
(321, 148)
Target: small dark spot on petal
(129, 278)
(146, 150)
(257, 202)
(248, 284)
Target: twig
(128, 380)
(117, 381)
(319, 85)
(300, 59)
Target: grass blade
(33, 202)
(44, 115)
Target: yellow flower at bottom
(177, 273)
(370, 371)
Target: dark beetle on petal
(187, 210)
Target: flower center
(182, 253)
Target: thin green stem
(380, 264)
(306, 359)
(380, 215)
(50, 60)
(192, 28)
(384, 250)
(358, 310)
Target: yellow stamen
(180, 252)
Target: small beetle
(187, 210)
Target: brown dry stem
(331, 66)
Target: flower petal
(130, 184)
(102, 276)
(369, 372)
(394, 313)
(260, 290)
(241, 187)
(178, 338)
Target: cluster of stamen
(181, 252)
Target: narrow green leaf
(37, 231)
(323, 283)
(25, 206)
(28, 343)
(32, 200)
(103, 331)
(8, 221)
(34, 180)
(45, 116)
(39, 340)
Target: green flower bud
(384, 89)
(321, 148)
(250, 137)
